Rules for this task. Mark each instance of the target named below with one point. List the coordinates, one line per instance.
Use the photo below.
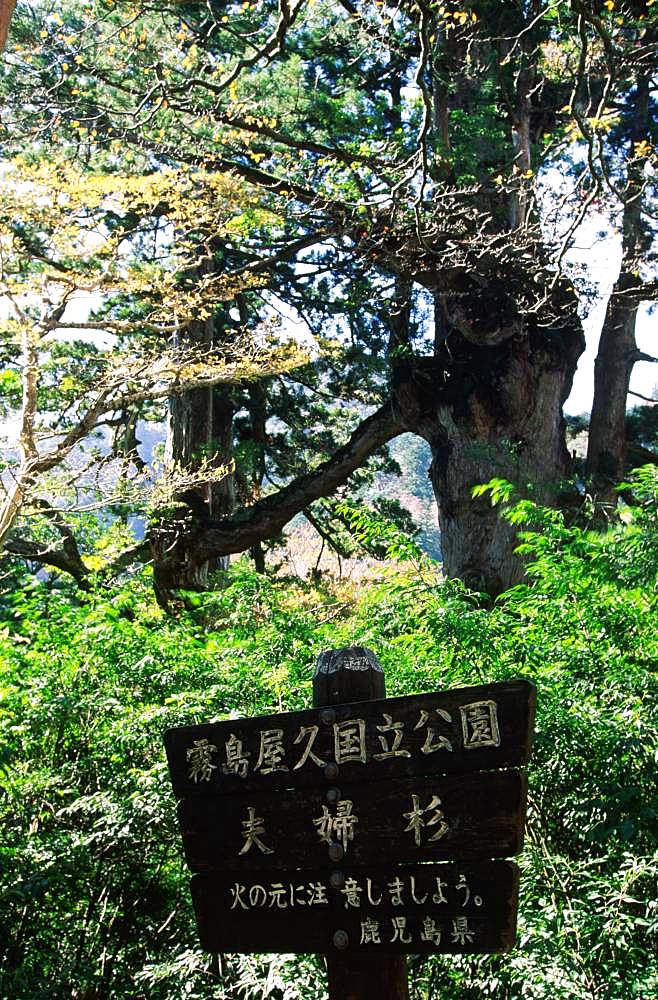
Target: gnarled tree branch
(67, 558)
(272, 513)
(265, 519)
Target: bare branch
(647, 399)
(288, 13)
(67, 559)
(261, 178)
(138, 553)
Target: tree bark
(617, 353)
(606, 449)
(199, 434)
(257, 406)
(503, 419)
(6, 10)
(222, 493)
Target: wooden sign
(408, 820)
(466, 729)
(363, 829)
(432, 908)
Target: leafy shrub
(93, 892)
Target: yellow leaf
(642, 149)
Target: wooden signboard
(429, 818)
(430, 908)
(364, 829)
(466, 729)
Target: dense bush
(93, 891)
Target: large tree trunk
(503, 419)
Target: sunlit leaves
(89, 832)
(109, 232)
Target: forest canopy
(292, 295)
(413, 180)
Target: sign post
(348, 675)
(365, 829)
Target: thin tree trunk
(258, 419)
(6, 10)
(606, 450)
(199, 434)
(222, 493)
(617, 353)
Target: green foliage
(379, 529)
(10, 391)
(93, 891)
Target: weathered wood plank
(342, 676)
(466, 729)
(426, 818)
(373, 911)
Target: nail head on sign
(336, 852)
(331, 771)
(333, 795)
(336, 880)
(341, 940)
(327, 716)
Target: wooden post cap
(352, 673)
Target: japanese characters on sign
(479, 728)
(287, 820)
(451, 908)
(433, 818)
(422, 887)
(462, 730)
